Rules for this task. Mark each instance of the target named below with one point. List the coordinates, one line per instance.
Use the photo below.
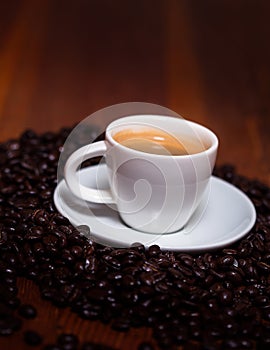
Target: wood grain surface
(62, 60)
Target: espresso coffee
(156, 141)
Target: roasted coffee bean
(9, 324)
(112, 262)
(50, 241)
(226, 260)
(153, 250)
(38, 248)
(76, 250)
(252, 291)
(145, 346)
(9, 290)
(234, 277)
(27, 311)
(13, 302)
(121, 324)
(216, 288)
(129, 281)
(68, 341)
(40, 217)
(61, 274)
(261, 300)
(161, 287)
(264, 267)
(236, 343)
(186, 258)
(225, 297)
(199, 273)
(32, 338)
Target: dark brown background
(62, 60)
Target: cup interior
(193, 137)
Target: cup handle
(74, 161)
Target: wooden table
(60, 61)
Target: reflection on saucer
(227, 216)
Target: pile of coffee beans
(211, 300)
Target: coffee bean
(261, 300)
(27, 311)
(145, 346)
(76, 250)
(121, 324)
(32, 338)
(226, 260)
(129, 281)
(234, 277)
(9, 324)
(225, 297)
(153, 250)
(264, 267)
(68, 341)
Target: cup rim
(132, 120)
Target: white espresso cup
(159, 169)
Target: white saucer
(226, 215)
